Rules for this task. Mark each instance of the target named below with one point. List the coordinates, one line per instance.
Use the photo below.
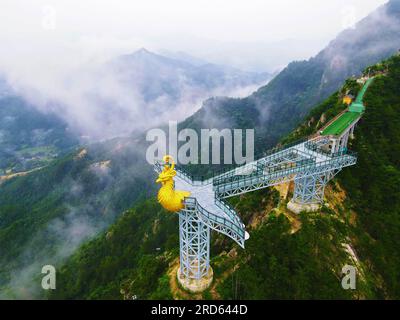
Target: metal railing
(261, 168)
(157, 166)
(339, 158)
(259, 155)
(194, 180)
(206, 179)
(228, 209)
(230, 228)
(251, 167)
(184, 175)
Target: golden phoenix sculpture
(168, 197)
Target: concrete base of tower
(300, 207)
(195, 285)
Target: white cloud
(50, 48)
(99, 28)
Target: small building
(348, 99)
(363, 80)
(357, 107)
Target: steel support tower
(309, 163)
(194, 239)
(310, 189)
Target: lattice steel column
(194, 245)
(310, 189)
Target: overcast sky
(245, 33)
(52, 51)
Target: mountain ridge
(280, 105)
(288, 256)
(111, 187)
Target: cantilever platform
(310, 164)
(341, 124)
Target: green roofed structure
(357, 107)
(337, 127)
(341, 128)
(310, 164)
(360, 96)
(349, 118)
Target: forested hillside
(287, 256)
(29, 138)
(277, 108)
(129, 259)
(372, 185)
(47, 214)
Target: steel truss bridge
(311, 164)
(308, 164)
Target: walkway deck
(356, 109)
(341, 124)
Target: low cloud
(66, 235)
(97, 103)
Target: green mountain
(288, 256)
(47, 214)
(277, 108)
(29, 138)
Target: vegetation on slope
(29, 138)
(45, 215)
(279, 261)
(277, 108)
(128, 261)
(372, 185)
